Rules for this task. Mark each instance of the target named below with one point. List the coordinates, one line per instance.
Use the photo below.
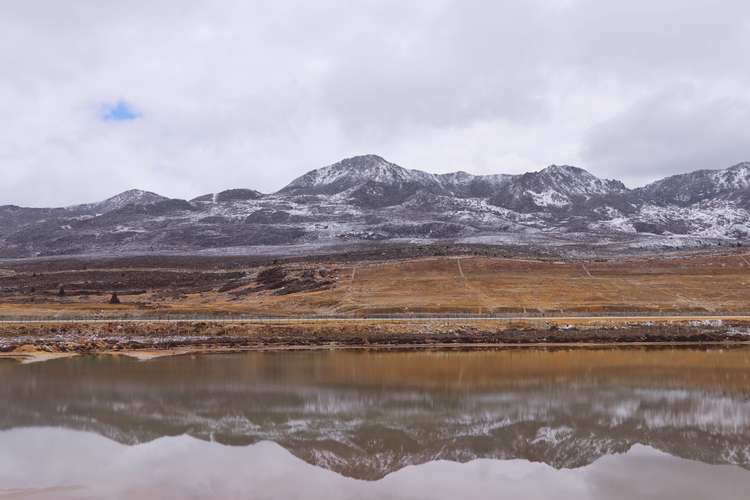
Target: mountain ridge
(366, 198)
(456, 178)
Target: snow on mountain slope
(701, 185)
(372, 179)
(712, 219)
(228, 196)
(553, 187)
(355, 172)
(130, 197)
(466, 185)
(368, 198)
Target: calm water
(521, 423)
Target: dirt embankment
(117, 336)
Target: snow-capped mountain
(366, 198)
(353, 173)
(553, 188)
(13, 217)
(130, 197)
(683, 190)
(371, 181)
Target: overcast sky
(186, 97)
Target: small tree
(61, 291)
(114, 299)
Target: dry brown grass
(478, 285)
(485, 286)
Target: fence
(372, 317)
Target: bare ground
(692, 287)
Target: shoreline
(152, 339)
(37, 356)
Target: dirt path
(693, 303)
(585, 269)
(485, 301)
(460, 269)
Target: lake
(620, 423)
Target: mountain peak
(366, 158)
(347, 174)
(700, 185)
(134, 194)
(367, 161)
(576, 180)
(566, 171)
(360, 162)
(130, 197)
(563, 169)
(367, 181)
(554, 187)
(120, 200)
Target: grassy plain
(698, 284)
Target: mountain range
(364, 199)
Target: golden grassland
(443, 285)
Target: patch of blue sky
(119, 111)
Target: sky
(186, 97)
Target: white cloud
(252, 94)
(675, 130)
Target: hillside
(366, 198)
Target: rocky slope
(367, 198)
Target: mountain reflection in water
(394, 417)
(71, 464)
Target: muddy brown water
(638, 422)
